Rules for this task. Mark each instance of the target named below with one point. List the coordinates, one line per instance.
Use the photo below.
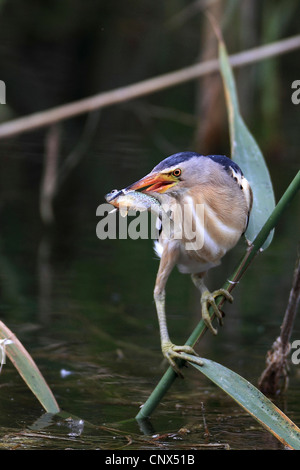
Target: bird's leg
(208, 299)
(169, 350)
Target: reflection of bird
(213, 195)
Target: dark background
(85, 305)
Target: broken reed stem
(291, 310)
(170, 376)
(274, 378)
(145, 87)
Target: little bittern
(212, 194)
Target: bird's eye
(176, 172)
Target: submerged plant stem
(170, 376)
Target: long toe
(186, 353)
(208, 300)
(224, 293)
(186, 349)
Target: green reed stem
(170, 376)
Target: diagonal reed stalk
(170, 376)
(143, 88)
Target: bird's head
(173, 175)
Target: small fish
(126, 200)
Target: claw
(172, 351)
(208, 299)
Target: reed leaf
(27, 369)
(253, 401)
(247, 154)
